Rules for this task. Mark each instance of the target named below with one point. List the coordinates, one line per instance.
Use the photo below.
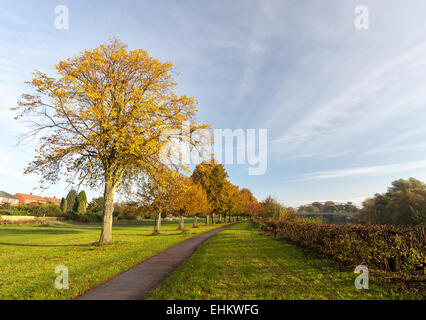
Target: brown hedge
(384, 247)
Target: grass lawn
(239, 263)
(30, 253)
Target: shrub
(385, 247)
(43, 210)
(14, 213)
(48, 210)
(88, 217)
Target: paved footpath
(139, 281)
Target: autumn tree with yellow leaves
(99, 122)
(156, 190)
(253, 207)
(189, 199)
(213, 178)
(233, 202)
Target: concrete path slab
(139, 281)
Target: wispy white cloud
(368, 170)
(403, 141)
(337, 154)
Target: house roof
(53, 200)
(4, 194)
(30, 197)
(33, 197)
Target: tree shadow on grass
(34, 231)
(45, 245)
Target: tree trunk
(213, 219)
(181, 223)
(207, 219)
(229, 218)
(195, 221)
(158, 223)
(106, 234)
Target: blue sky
(345, 109)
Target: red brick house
(33, 199)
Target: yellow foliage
(102, 117)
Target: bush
(385, 247)
(43, 210)
(88, 217)
(18, 213)
(46, 210)
(14, 213)
(129, 211)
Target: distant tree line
(329, 206)
(209, 193)
(404, 203)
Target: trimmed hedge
(384, 247)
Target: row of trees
(207, 192)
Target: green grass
(30, 253)
(241, 264)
